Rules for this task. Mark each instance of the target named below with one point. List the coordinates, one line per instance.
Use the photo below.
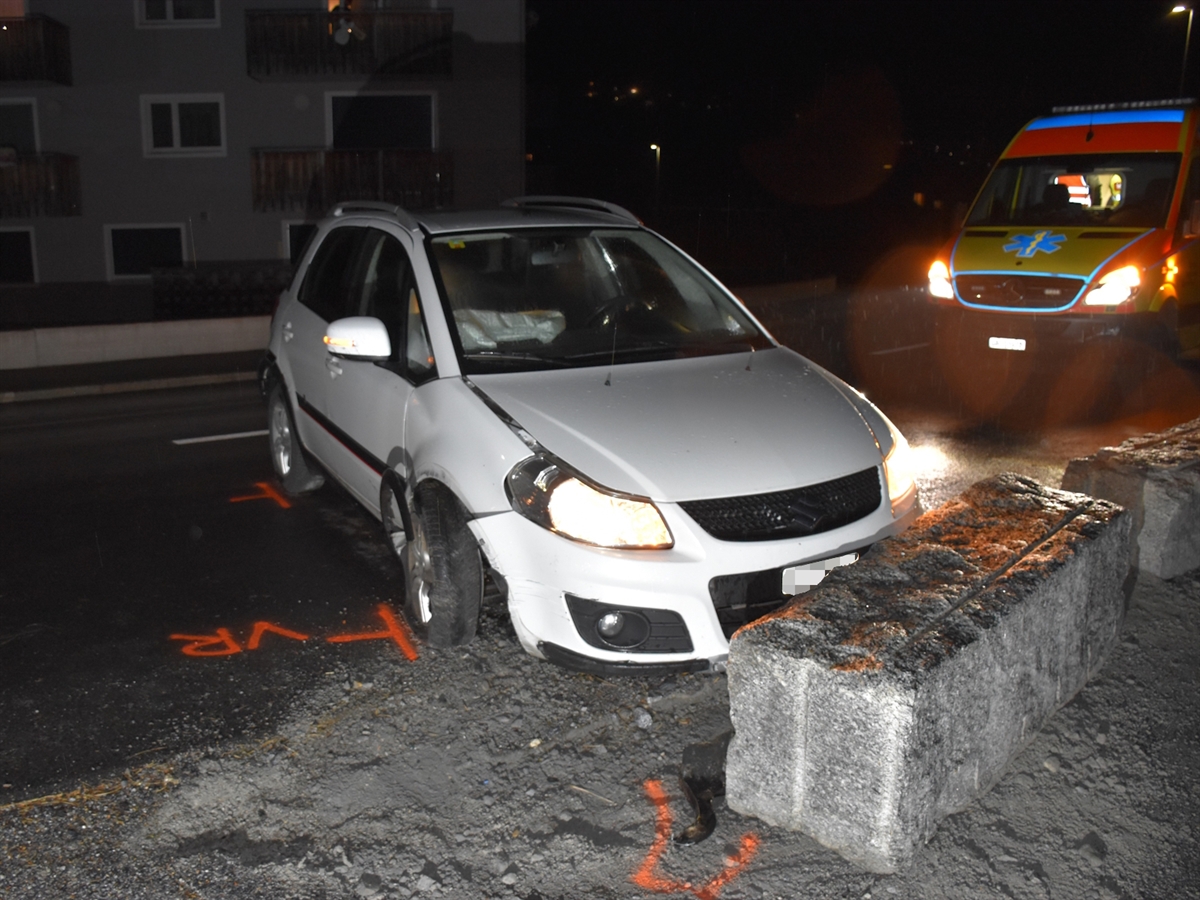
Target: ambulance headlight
(939, 281)
(1115, 288)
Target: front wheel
(287, 456)
(443, 586)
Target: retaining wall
(899, 689)
(1157, 478)
(37, 347)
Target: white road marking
(899, 349)
(219, 437)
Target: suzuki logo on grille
(805, 513)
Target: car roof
(518, 212)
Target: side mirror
(1193, 223)
(358, 337)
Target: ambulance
(1086, 229)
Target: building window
(381, 121)
(18, 125)
(18, 262)
(132, 251)
(183, 124)
(177, 13)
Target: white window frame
(37, 128)
(433, 110)
(148, 148)
(37, 278)
(140, 20)
(110, 265)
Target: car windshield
(540, 299)
(1131, 190)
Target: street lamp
(1183, 7)
(657, 167)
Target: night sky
(806, 139)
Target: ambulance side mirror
(1193, 223)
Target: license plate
(1003, 343)
(798, 579)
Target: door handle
(288, 334)
(334, 366)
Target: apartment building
(144, 137)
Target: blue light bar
(1124, 117)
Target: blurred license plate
(798, 579)
(1002, 343)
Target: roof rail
(1132, 104)
(556, 202)
(352, 206)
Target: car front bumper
(542, 570)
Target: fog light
(610, 624)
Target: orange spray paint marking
(396, 630)
(261, 628)
(268, 493)
(646, 876)
(200, 642)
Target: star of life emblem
(1029, 245)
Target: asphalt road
(115, 538)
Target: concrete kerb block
(1157, 478)
(899, 689)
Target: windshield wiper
(641, 347)
(500, 356)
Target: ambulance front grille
(1018, 291)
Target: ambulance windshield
(1131, 190)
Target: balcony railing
(314, 180)
(40, 184)
(35, 48)
(317, 44)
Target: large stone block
(1157, 478)
(899, 689)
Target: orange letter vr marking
(647, 879)
(222, 640)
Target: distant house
(142, 141)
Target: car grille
(793, 513)
(1018, 291)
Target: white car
(552, 396)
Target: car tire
(443, 586)
(287, 456)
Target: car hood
(693, 429)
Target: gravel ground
(483, 773)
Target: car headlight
(1115, 288)
(899, 470)
(550, 494)
(939, 281)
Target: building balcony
(35, 48)
(312, 181)
(298, 44)
(39, 184)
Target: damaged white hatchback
(551, 398)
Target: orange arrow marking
(268, 492)
(396, 630)
(200, 642)
(646, 876)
